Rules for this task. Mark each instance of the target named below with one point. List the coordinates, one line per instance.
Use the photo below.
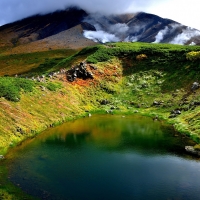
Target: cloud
(183, 11)
(12, 10)
(187, 14)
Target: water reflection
(117, 133)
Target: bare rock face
(87, 26)
(46, 25)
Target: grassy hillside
(22, 63)
(151, 79)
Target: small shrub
(141, 57)
(53, 86)
(26, 85)
(10, 88)
(194, 55)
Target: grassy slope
(131, 85)
(165, 75)
(22, 63)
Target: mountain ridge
(95, 27)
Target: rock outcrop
(79, 71)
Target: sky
(182, 11)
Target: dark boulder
(79, 71)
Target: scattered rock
(197, 103)
(109, 111)
(174, 95)
(192, 150)
(1, 157)
(157, 103)
(155, 118)
(195, 86)
(113, 108)
(20, 130)
(89, 115)
(172, 116)
(175, 113)
(132, 103)
(104, 102)
(138, 106)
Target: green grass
(32, 63)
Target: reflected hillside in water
(114, 133)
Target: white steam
(160, 36)
(106, 31)
(100, 36)
(114, 33)
(118, 28)
(131, 39)
(186, 35)
(182, 38)
(192, 43)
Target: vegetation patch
(12, 87)
(53, 86)
(194, 55)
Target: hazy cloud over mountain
(185, 12)
(12, 10)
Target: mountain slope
(141, 27)
(39, 27)
(52, 31)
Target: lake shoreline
(155, 116)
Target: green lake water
(106, 157)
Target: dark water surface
(104, 158)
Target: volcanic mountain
(75, 28)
